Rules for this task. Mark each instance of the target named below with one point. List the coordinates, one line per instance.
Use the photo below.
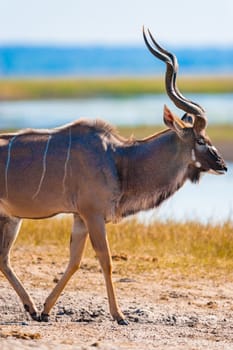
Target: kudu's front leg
(97, 232)
(77, 245)
(9, 228)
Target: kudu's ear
(174, 123)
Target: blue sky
(179, 22)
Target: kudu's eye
(200, 142)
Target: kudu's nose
(219, 160)
(222, 164)
(225, 168)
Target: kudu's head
(191, 128)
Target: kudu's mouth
(221, 171)
(219, 167)
(218, 172)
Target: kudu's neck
(150, 171)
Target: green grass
(186, 248)
(14, 89)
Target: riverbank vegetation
(46, 88)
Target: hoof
(35, 316)
(44, 317)
(122, 322)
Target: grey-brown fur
(87, 169)
(125, 175)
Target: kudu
(87, 169)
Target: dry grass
(190, 247)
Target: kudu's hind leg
(77, 245)
(96, 228)
(9, 228)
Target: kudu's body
(87, 169)
(86, 165)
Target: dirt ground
(165, 311)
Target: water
(145, 109)
(211, 200)
(18, 61)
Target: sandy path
(173, 312)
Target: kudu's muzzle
(217, 163)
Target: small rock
(96, 344)
(127, 280)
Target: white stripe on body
(44, 168)
(8, 163)
(67, 160)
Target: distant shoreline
(48, 88)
